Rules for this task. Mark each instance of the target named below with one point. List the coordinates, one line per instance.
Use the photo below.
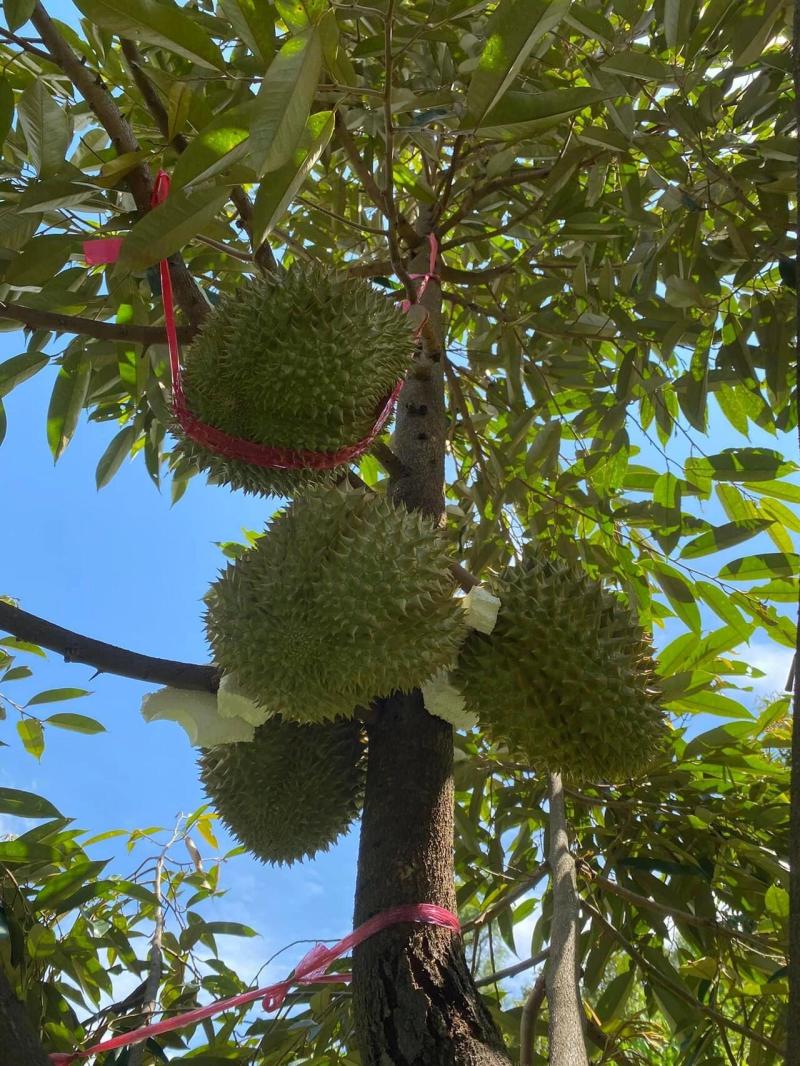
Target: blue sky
(124, 566)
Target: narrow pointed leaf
(515, 28)
(279, 188)
(66, 402)
(252, 25)
(114, 455)
(284, 102)
(46, 128)
(157, 22)
(223, 142)
(19, 368)
(170, 226)
(724, 536)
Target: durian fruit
(567, 677)
(300, 360)
(292, 791)
(346, 598)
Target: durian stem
(566, 1022)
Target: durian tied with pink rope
(300, 370)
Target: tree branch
(512, 971)
(33, 318)
(510, 897)
(139, 181)
(106, 658)
(566, 1024)
(388, 460)
(527, 1027)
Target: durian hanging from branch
(299, 371)
(290, 792)
(345, 599)
(567, 677)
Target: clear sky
(124, 566)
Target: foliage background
(624, 324)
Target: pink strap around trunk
(216, 440)
(310, 970)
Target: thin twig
(26, 46)
(391, 463)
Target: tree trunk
(566, 1019)
(19, 1042)
(415, 1002)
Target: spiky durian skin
(567, 677)
(299, 360)
(346, 598)
(290, 792)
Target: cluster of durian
(345, 599)
(301, 360)
(567, 678)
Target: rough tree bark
(414, 1000)
(566, 1020)
(19, 1041)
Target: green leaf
(39, 260)
(513, 31)
(740, 464)
(679, 593)
(677, 19)
(667, 503)
(170, 226)
(6, 109)
(253, 25)
(61, 886)
(66, 403)
(756, 567)
(277, 191)
(19, 368)
(46, 127)
(720, 604)
(17, 12)
(55, 695)
(725, 536)
(178, 105)
(776, 900)
(519, 115)
(32, 736)
(638, 65)
(778, 490)
(26, 804)
(21, 852)
(157, 22)
(114, 455)
(284, 102)
(223, 142)
(76, 723)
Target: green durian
(300, 360)
(290, 792)
(567, 677)
(346, 598)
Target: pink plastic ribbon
(310, 970)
